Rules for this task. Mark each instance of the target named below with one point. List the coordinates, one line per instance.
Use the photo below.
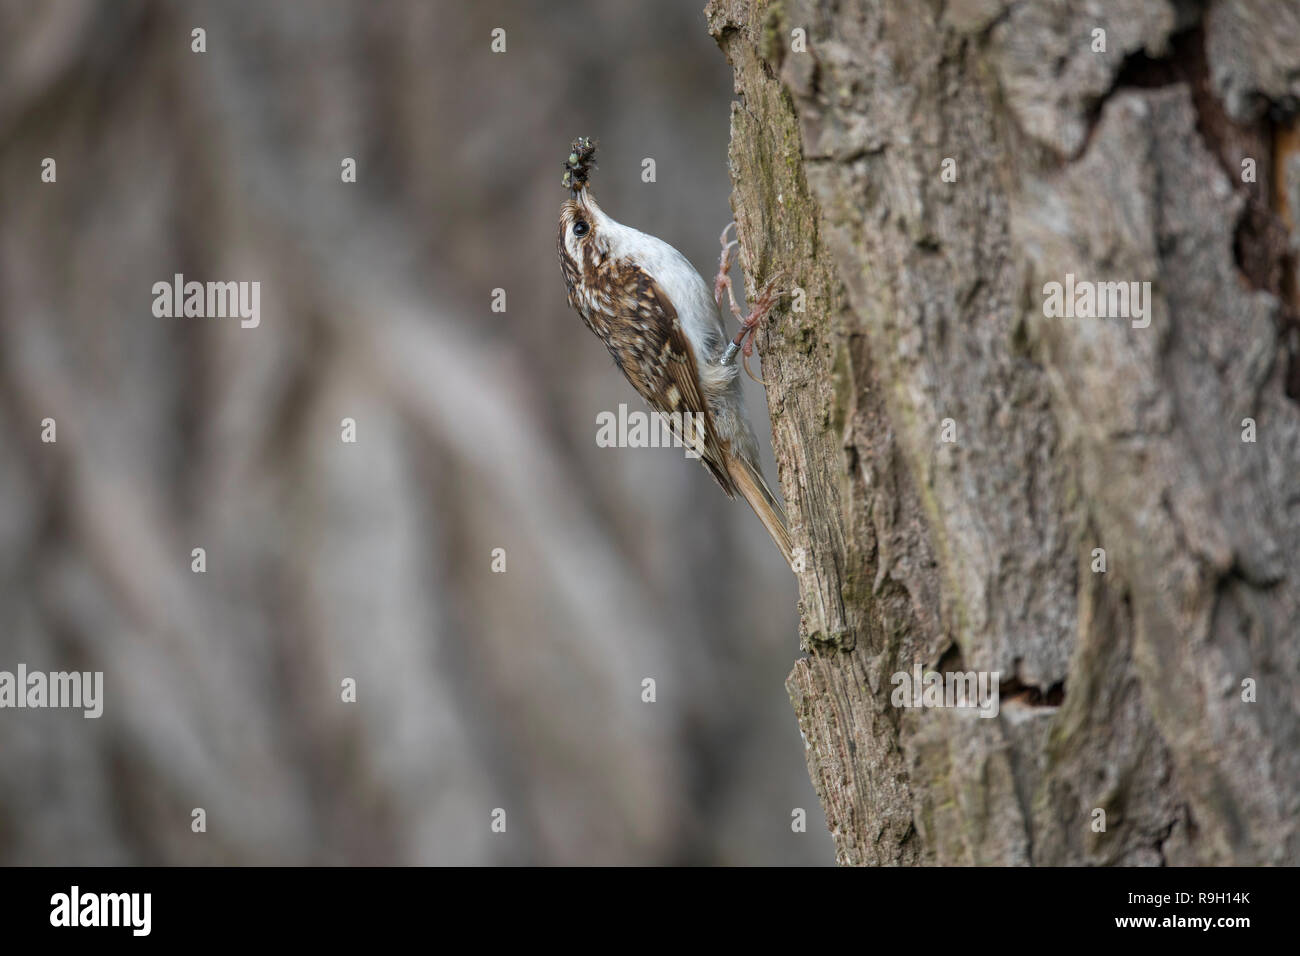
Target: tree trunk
(1101, 514)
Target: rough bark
(1121, 690)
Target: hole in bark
(1261, 246)
(1013, 688)
(951, 660)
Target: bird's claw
(767, 297)
(722, 281)
(763, 303)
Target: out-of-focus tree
(372, 560)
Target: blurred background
(475, 431)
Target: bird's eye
(580, 227)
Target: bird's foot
(722, 281)
(763, 303)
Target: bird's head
(581, 222)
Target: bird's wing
(650, 346)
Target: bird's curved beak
(587, 201)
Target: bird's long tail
(755, 490)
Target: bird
(663, 325)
